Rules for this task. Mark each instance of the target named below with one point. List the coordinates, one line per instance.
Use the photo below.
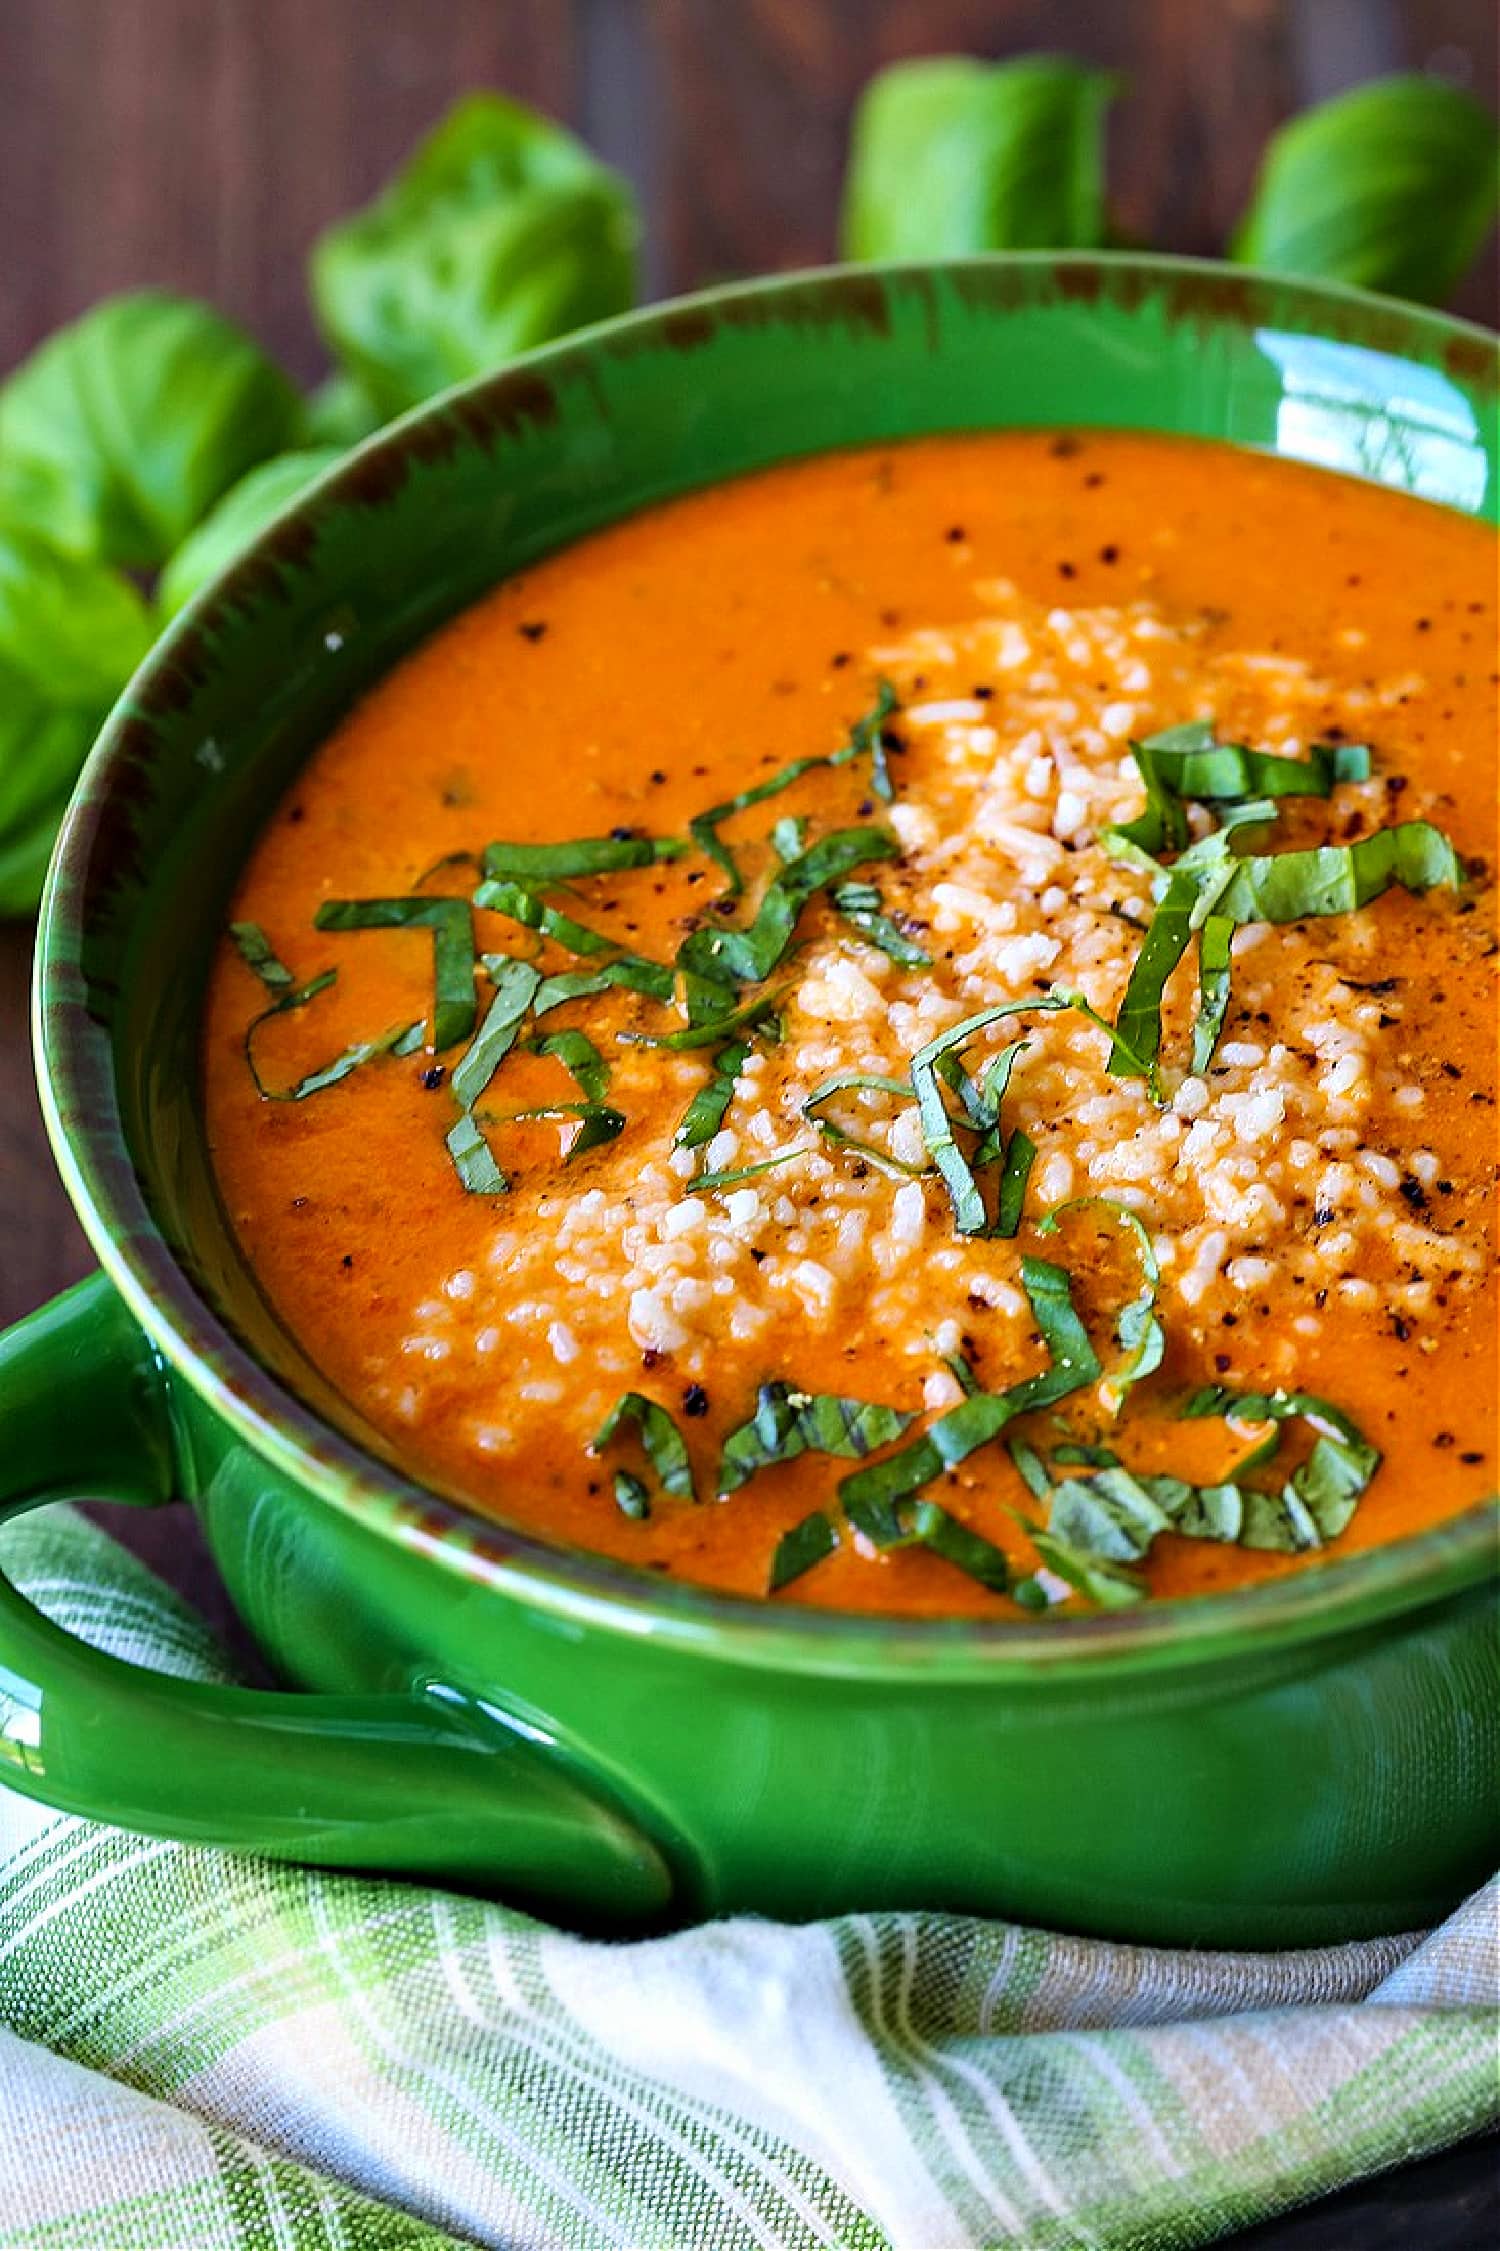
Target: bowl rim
(76, 1080)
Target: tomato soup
(914, 1033)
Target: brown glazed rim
(80, 1102)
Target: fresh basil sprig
(71, 634)
(122, 430)
(1392, 186)
(950, 155)
(240, 516)
(662, 1440)
(500, 232)
(788, 1422)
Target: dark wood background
(202, 144)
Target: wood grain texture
(202, 145)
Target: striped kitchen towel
(202, 2051)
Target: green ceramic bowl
(1307, 1761)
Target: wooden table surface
(201, 144)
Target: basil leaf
(340, 412)
(864, 736)
(1319, 1498)
(235, 520)
(71, 634)
(1020, 1156)
(630, 971)
(1339, 878)
(835, 1135)
(859, 904)
(705, 1113)
(1186, 762)
(257, 953)
(632, 1495)
(1137, 1329)
(1093, 1577)
(659, 1435)
(597, 1122)
(516, 984)
(939, 1058)
(1138, 1023)
(1214, 942)
(870, 1494)
(748, 956)
(120, 432)
(950, 156)
(707, 1182)
(788, 1422)
(1031, 1466)
(402, 1039)
(579, 1058)
(500, 232)
(800, 1549)
(452, 929)
(711, 1032)
(1109, 1515)
(473, 1159)
(1391, 186)
(532, 865)
(533, 913)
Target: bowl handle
(429, 1782)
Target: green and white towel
(204, 2051)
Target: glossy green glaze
(1308, 1761)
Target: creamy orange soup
(1160, 1311)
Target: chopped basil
(709, 1181)
(452, 928)
(659, 1435)
(864, 735)
(597, 1122)
(976, 1421)
(788, 1422)
(1210, 883)
(1020, 1155)
(1098, 1581)
(747, 956)
(1214, 942)
(1318, 1499)
(579, 1058)
(800, 1549)
(516, 985)
(1137, 1328)
(713, 1030)
(533, 913)
(705, 1113)
(1185, 762)
(473, 1159)
(402, 1039)
(1339, 878)
(1137, 1040)
(836, 1136)
(632, 1496)
(961, 1372)
(535, 864)
(939, 1059)
(907, 1522)
(630, 971)
(1031, 1466)
(1097, 1525)
(859, 904)
(257, 953)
